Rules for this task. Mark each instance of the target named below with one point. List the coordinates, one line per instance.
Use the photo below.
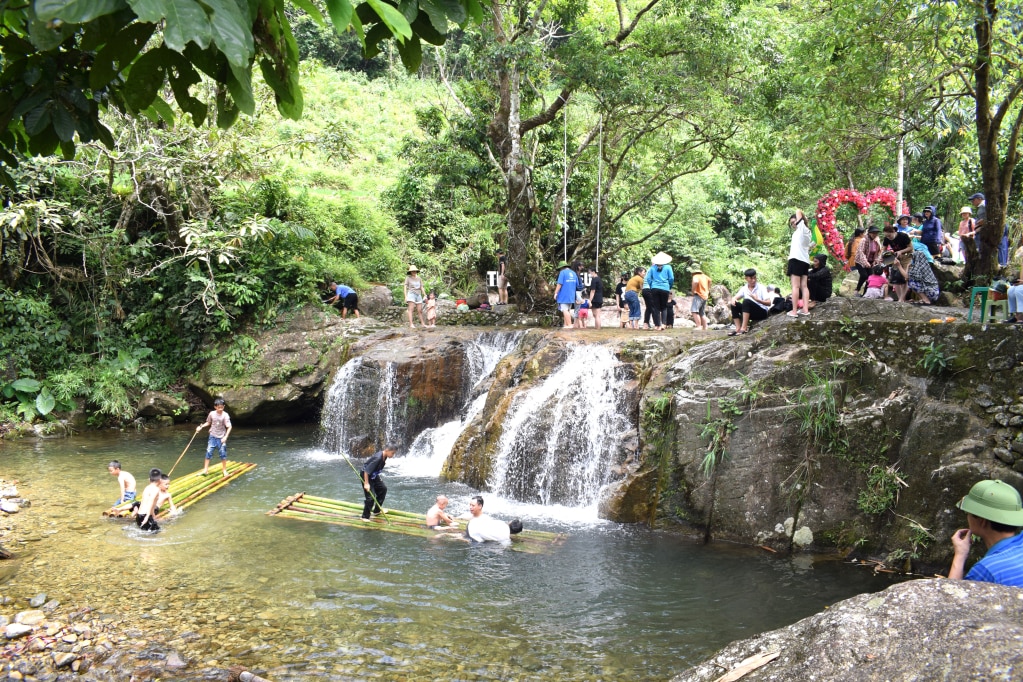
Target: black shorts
(797, 268)
(896, 277)
(597, 304)
(351, 301)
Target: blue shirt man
(564, 292)
(994, 512)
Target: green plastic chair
(974, 292)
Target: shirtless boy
(154, 495)
(125, 482)
(437, 518)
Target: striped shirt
(1003, 564)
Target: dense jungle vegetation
(162, 201)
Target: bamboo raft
(189, 489)
(305, 507)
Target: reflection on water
(314, 601)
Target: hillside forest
(162, 196)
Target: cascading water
(363, 405)
(484, 352)
(366, 406)
(431, 447)
(562, 439)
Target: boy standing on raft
(219, 422)
(372, 484)
(125, 482)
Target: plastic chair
(989, 309)
(974, 292)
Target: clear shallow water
(301, 600)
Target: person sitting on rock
(819, 280)
(994, 513)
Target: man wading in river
(372, 484)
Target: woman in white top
(415, 294)
(799, 264)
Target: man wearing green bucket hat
(994, 513)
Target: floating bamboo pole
(304, 507)
(188, 489)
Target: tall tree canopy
(66, 60)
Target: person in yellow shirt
(632, 290)
(701, 294)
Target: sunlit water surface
(314, 601)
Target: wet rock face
(402, 382)
(920, 630)
(559, 424)
(281, 374)
(897, 445)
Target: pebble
(38, 600)
(15, 630)
(9, 491)
(9, 507)
(174, 661)
(34, 617)
(51, 606)
(63, 660)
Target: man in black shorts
(596, 295)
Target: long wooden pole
(183, 453)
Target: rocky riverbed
(121, 638)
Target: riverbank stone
(33, 617)
(917, 630)
(38, 600)
(16, 630)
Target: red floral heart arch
(829, 203)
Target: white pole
(564, 189)
(600, 169)
(901, 169)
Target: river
(225, 584)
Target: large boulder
(280, 377)
(919, 630)
(375, 300)
(155, 404)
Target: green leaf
(26, 385)
(45, 402)
(118, 53)
(145, 78)
(239, 83)
(426, 30)
(37, 120)
(232, 32)
(392, 18)
(312, 10)
(475, 11)
(411, 52)
(76, 11)
(443, 11)
(46, 38)
(162, 110)
(67, 149)
(186, 21)
(63, 122)
(340, 12)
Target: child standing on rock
(125, 482)
(219, 422)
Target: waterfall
(367, 406)
(561, 439)
(483, 352)
(364, 406)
